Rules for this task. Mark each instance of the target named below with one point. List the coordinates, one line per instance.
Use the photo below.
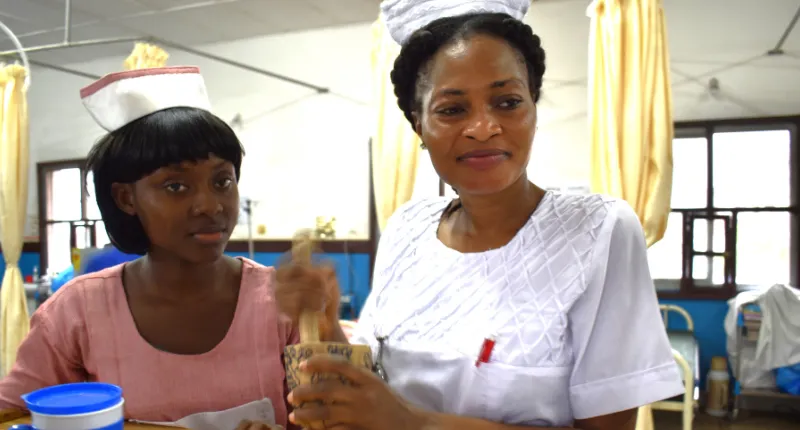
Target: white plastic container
(81, 406)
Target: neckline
(441, 247)
(131, 324)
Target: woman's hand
(253, 425)
(367, 404)
(301, 288)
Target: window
(734, 217)
(690, 168)
(68, 214)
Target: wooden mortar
(310, 345)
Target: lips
(211, 234)
(484, 159)
(482, 153)
(209, 230)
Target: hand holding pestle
(310, 345)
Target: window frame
(44, 176)
(686, 288)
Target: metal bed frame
(740, 392)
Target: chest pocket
(524, 396)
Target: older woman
(510, 305)
(183, 329)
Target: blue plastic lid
(73, 399)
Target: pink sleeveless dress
(85, 332)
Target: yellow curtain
(630, 108)
(395, 145)
(14, 319)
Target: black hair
(410, 66)
(160, 139)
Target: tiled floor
(748, 421)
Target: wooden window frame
(686, 287)
(44, 184)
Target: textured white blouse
(569, 300)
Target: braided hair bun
(410, 65)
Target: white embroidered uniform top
(569, 300)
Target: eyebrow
(501, 84)
(185, 166)
(493, 85)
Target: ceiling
(189, 22)
(727, 40)
(724, 39)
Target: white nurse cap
(404, 17)
(120, 98)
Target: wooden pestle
(302, 250)
(359, 355)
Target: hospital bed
(687, 356)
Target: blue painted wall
(27, 262)
(708, 317)
(353, 271)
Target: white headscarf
(404, 17)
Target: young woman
(183, 329)
(508, 307)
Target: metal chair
(687, 354)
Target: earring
(423, 146)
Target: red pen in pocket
(486, 351)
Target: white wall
(293, 137)
(290, 130)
